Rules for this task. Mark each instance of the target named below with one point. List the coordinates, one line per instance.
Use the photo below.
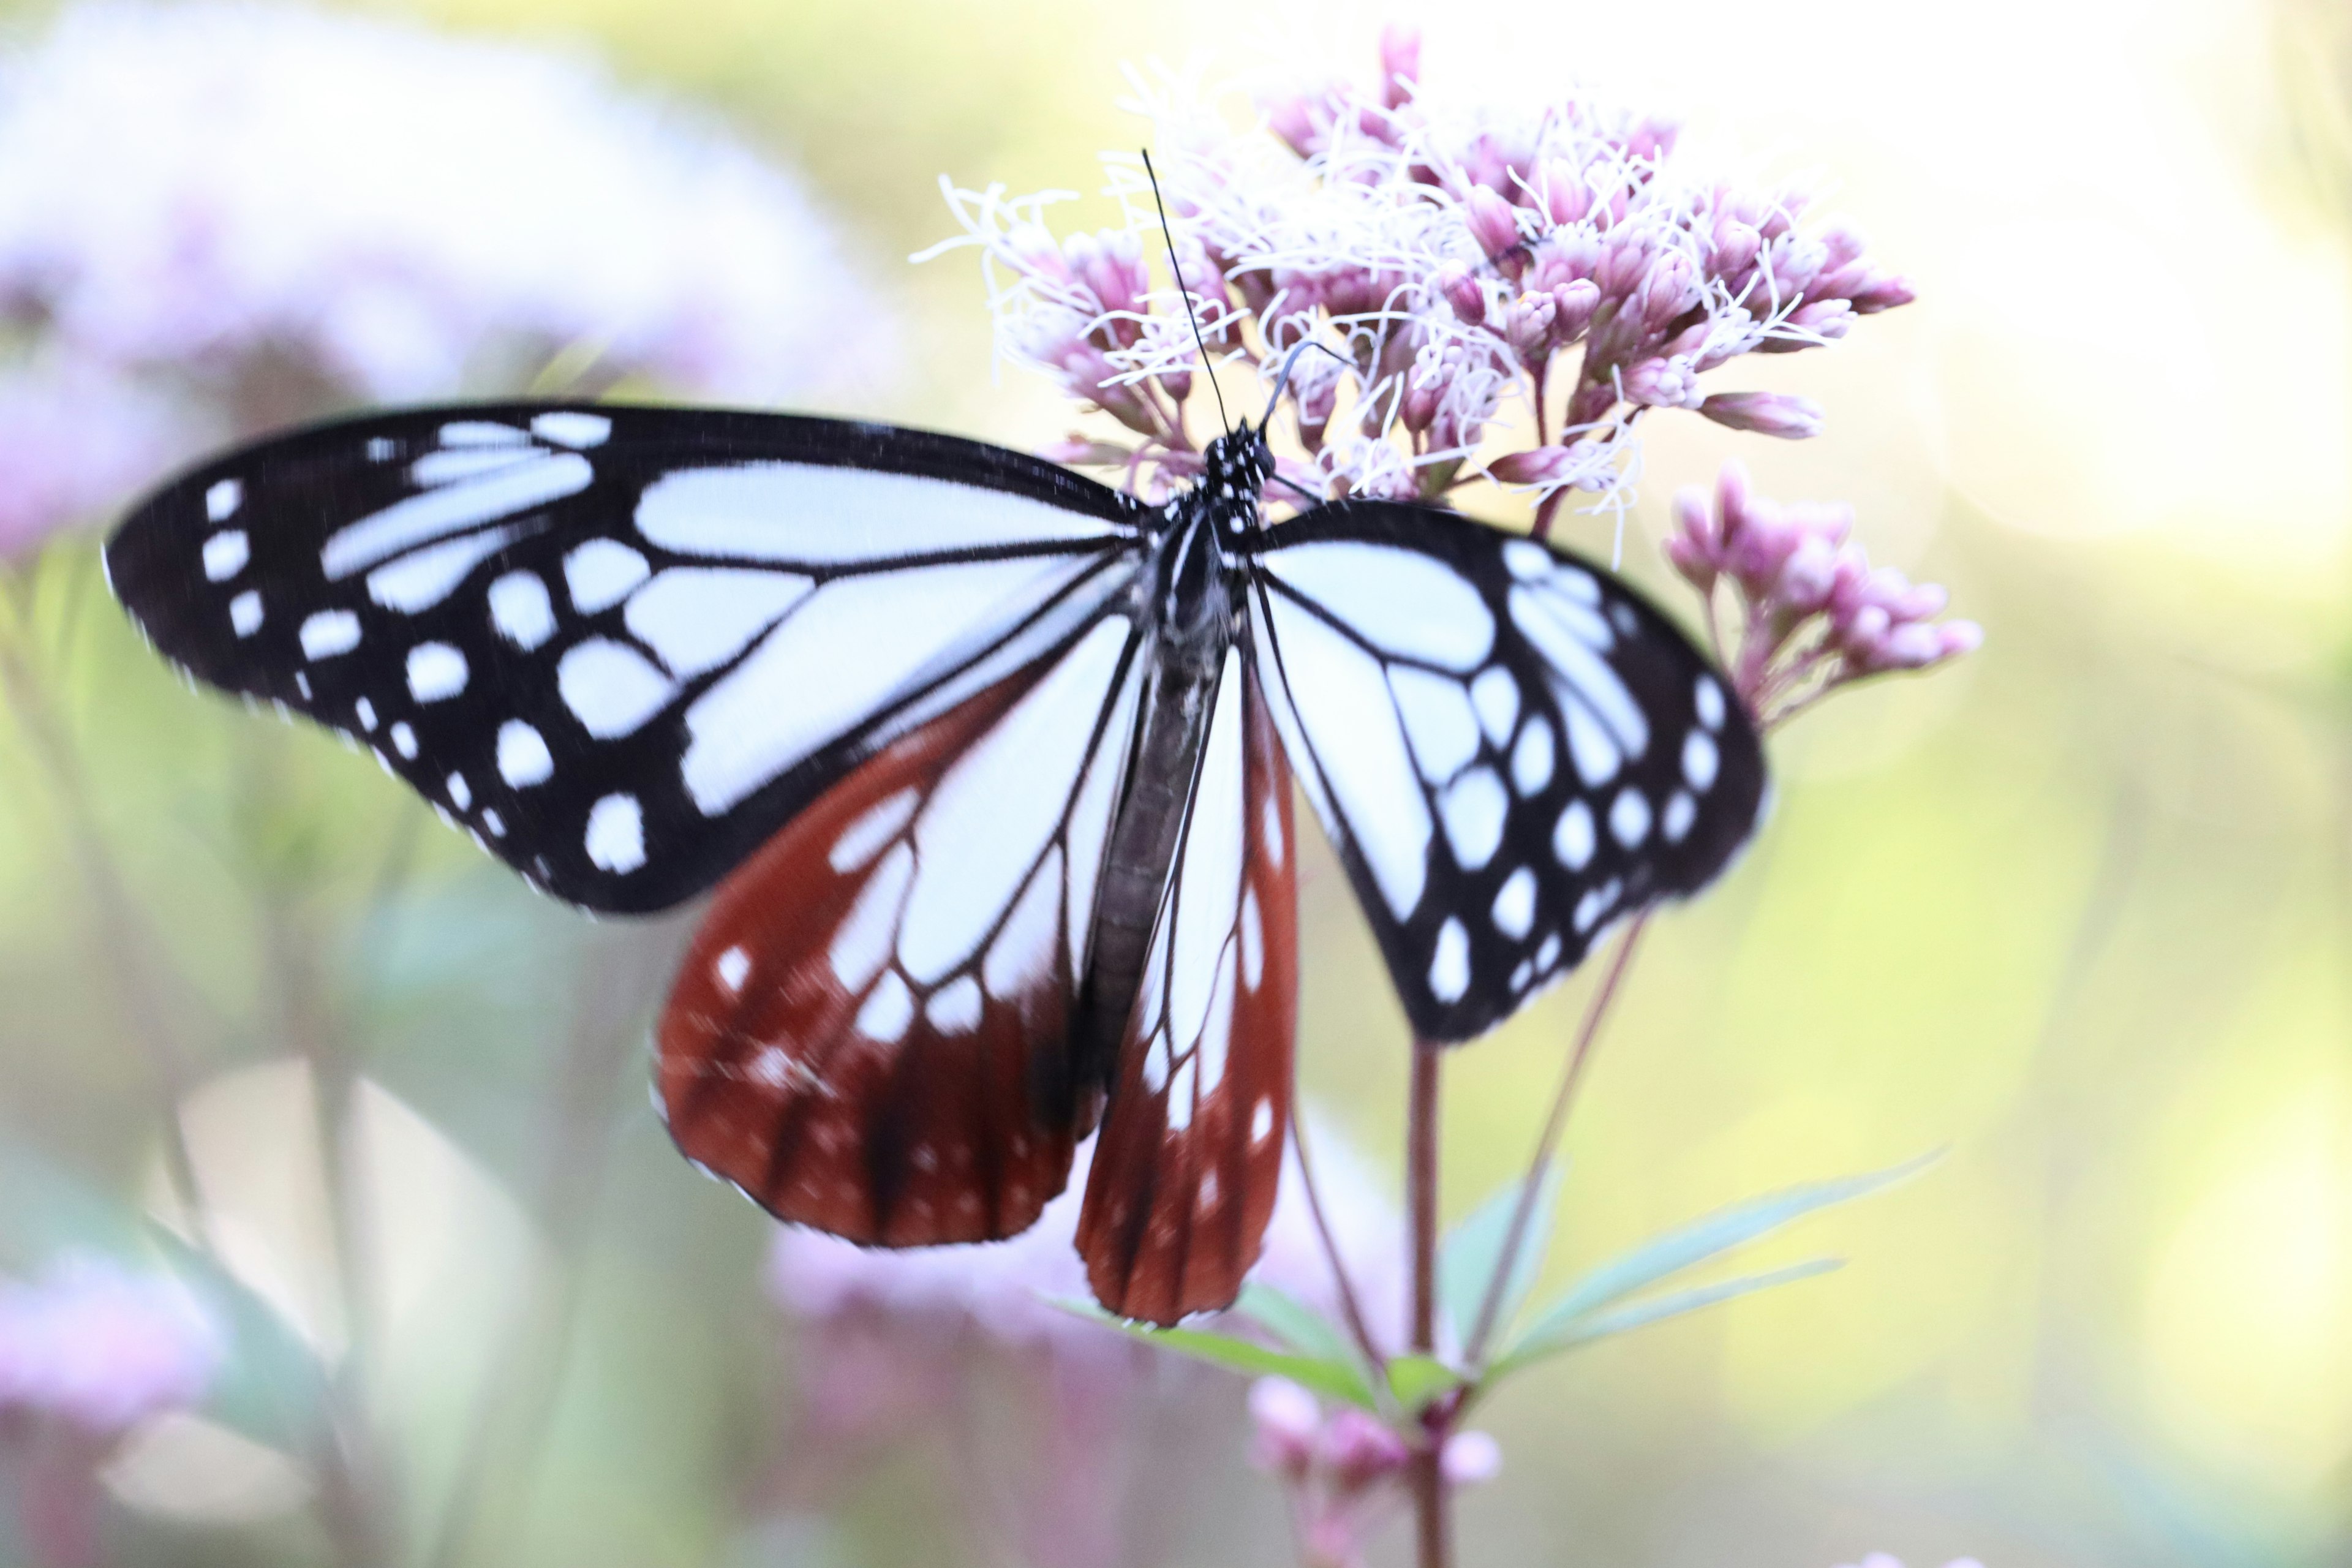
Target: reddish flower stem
(1350, 1305)
(1432, 1517)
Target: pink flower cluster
(1816, 615)
(1881, 1559)
(102, 1347)
(1454, 259)
(1345, 1474)
(218, 218)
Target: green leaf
(1465, 1267)
(1340, 1379)
(1695, 1243)
(1417, 1379)
(1296, 1324)
(271, 1388)
(1541, 1342)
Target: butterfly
(991, 767)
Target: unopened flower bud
(1572, 307)
(1470, 1458)
(1663, 384)
(1287, 1422)
(1735, 245)
(1882, 291)
(1766, 413)
(1360, 1451)
(1400, 63)
(1622, 264)
(1807, 577)
(1840, 244)
(1670, 288)
(1494, 222)
(1461, 292)
(1536, 466)
(1567, 198)
(1295, 122)
(1823, 318)
(1528, 326)
(1653, 139)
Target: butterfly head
(1236, 467)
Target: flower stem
(1350, 1305)
(1431, 1517)
(1555, 1123)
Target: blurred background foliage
(2078, 910)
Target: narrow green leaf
(272, 1388)
(1296, 1324)
(1679, 1249)
(1465, 1267)
(1541, 1342)
(1417, 1380)
(1340, 1379)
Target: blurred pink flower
(1881, 1559)
(1816, 615)
(254, 213)
(97, 1346)
(1457, 258)
(1344, 1475)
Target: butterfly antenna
(1173, 266)
(1282, 381)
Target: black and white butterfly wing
(1511, 749)
(622, 645)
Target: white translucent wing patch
(838, 515)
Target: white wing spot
(1271, 829)
(222, 500)
(1589, 744)
(494, 822)
(1594, 904)
(245, 613)
(1676, 821)
(863, 939)
(1515, 905)
(610, 688)
(864, 838)
(382, 449)
(615, 840)
(461, 794)
(479, 433)
(955, 1006)
(888, 1012)
(1547, 955)
(1449, 966)
(329, 633)
(524, 757)
(366, 712)
(601, 573)
(570, 428)
(225, 554)
(1700, 760)
(1439, 722)
(1526, 560)
(732, 968)
(1709, 698)
(1474, 811)
(1572, 840)
(521, 610)
(1253, 940)
(1532, 758)
(1496, 695)
(436, 671)
(1629, 817)
(1261, 1120)
(403, 740)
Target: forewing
(1510, 748)
(621, 644)
(1191, 1151)
(870, 1031)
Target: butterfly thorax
(1195, 608)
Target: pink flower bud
(1653, 138)
(1823, 318)
(1622, 264)
(1766, 413)
(1736, 247)
(1567, 198)
(1037, 251)
(1671, 287)
(1731, 498)
(1572, 307)
(1807, 577)
(1536, 466)
(1494, 222)
(1287, 1421)
(1695, 565)
(1840, 244)
(1883, 292)
(1470, 1458)
(1461, 292)
(1528, 326)
(1360, 1451)
(1400, 63)
(1663, 384)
